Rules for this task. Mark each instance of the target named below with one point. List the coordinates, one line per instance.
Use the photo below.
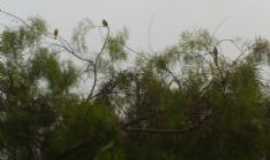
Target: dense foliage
(64, 101)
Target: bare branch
(95, 67)
(14, 16)
(174, 77)
(242, 53)
(169, 131)
(104, 149)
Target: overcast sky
(163, 20)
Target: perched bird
(55, 33)
(215, 54)
(104, 23)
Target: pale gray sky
(244, 18)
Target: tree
(39, 113)
(185, 103)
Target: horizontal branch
(166, 131)
(157, 131)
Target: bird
(104, 23)
(55, 33)
(215, 54)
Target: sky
(153, 24)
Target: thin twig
(150, 25)
(219, 26)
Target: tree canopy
(61, 100)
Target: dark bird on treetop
(55, 33)
(104, 23)
(215, 54)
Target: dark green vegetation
(188, 102)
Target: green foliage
(192, 45)
(13, 42)
(260, 51)
(79, 35)
(89, 126)
(179, 104)
(46, 65)
(116, 46)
